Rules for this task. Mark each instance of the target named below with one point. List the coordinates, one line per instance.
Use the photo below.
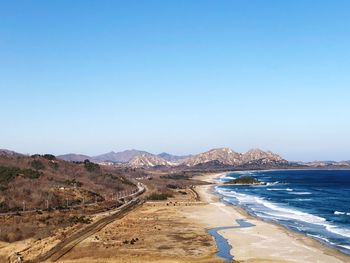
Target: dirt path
(155, 232)
(66, 245)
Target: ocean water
(314, 202)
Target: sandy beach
(176, 230)
(265, 242)
(157, 231)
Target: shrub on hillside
(37, 165)
(175, 177)
(50, 157)
(73, 182)
(91, 167)
(54, 165)
(79, 220)
(159, 196)
(95, 196)
(172, 186)
(4, 207)
(29, 173)
(7, 174)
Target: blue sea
(314, 202)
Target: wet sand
(176, 231)
(265, 242)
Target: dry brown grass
(162, 234)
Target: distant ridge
(9, 153)
(115, 157)
(119, 157)
(325, 164)
(72, 157)
(173, 158)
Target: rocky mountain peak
(223, 155)
(148, 160)
(257, 154)
(227, 156)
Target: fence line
(118, 198)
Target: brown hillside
(42, 181)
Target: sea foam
(341, 213)
(274, 211)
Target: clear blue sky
(178, 76)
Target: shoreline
(299, 245)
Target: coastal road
(66, 245)
(70, 207)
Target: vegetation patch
(91, 167)
(54, 165)
(73, 183)
(50, 157)
(79, 220)
(159, 196)
(37, 165)
(175, 177)
(29, 173)
(7, 174)
(3, 207)
(96, 196)
(172, 186)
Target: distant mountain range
(229, 158)
(214, 158)
(72, 157)
(125, 157)
(114, 157)
(119, 157)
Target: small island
(244, 180)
